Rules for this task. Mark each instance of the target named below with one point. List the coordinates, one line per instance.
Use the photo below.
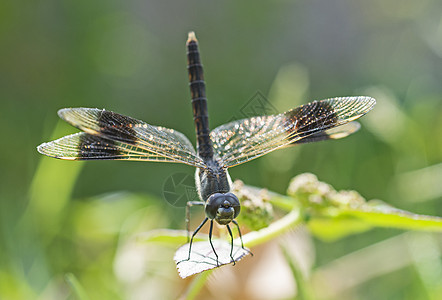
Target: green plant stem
(303, 291)
(283, 202)
(275, 229)
(197, 284)
(76, 286)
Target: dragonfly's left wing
(108, 135)
(330, 134)
(241, 141)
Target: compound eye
(234, 202)
(212, 205)
(223, 207)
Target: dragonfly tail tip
(191, 37)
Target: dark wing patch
(111, 123)
(310, 118)
(102, 122)
(90, 147)
(331, 134)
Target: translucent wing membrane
(331, 134)
(109, 135)
(241, 141)
(84, 146)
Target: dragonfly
(107, 135)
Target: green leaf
(384, 215)
(50, 192)
(203, 258)
(336, 214)
(168, 237)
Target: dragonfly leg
(194, 233)
(231, 244)
(210, 240)
(188, 206)
(240, 237)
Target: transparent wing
(109, 135)
(241, 141)
(84, 146)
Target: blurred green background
(59, 218)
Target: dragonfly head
(223, 207)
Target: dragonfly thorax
(212, 179)
(223, 207)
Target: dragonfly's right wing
(108, 135)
